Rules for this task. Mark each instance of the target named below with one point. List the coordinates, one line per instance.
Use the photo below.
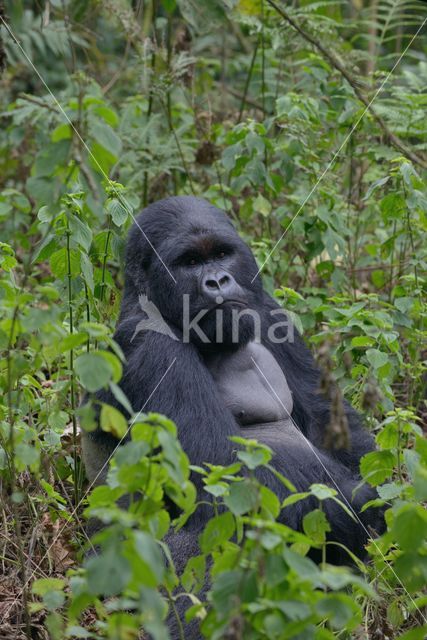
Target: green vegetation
(306, 121)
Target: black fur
(189, 397)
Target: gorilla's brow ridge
(204, 246)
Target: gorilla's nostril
(224, 280)
(212, 284)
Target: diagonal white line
(331, 162)
(135, 418)
(349, 505)
(58, 104)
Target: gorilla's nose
(220, 283)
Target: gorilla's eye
(221, 254)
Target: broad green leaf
(93, 371)
(119, 212)
(410, 527)
(218, 531)
(113, 421)
(376, 358)
(377, 466)
(108, 573)
(80, 232)
(243, 497)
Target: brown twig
(38, 102)
(333, 60)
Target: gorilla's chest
(251, 384)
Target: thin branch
(337, 64)
(38, 102)
(248, 79)
(240, 96)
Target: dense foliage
(306, 122)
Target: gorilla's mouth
(231, 302)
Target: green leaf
(51, 590)
(410, 527)
(377, 466)
(61, 132)
(417, 633)
(420, 484)
(243, 497)
(404, 304)
(94, 371)
(254, 458)
(106, 137)
(225, 588)
(322, 491)
(43, 585)
(295, 497)
(45, 214)
(80, 232)
(378, 278)
(59, 263)
(316, 526)
(151, 555)
(390, 490)
(108, 573)
(113, 421)
(87, 270)
(375, 185)
(118, 212)
(338, 609)
(262, 205)
(393, 207)
(27, 454)
(303, 567)
(218, 531)
(120, 397)
(376, 358)
(194, 573)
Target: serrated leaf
(242, 498)
(118, 212)
(218, 531)
(262, 205)
(87, 270)
(377, 466)
(80, 232)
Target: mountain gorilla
(235, 372)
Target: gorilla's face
(186, 257)
(213, 291)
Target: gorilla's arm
(311, 409)
(304, 464)
(166, 376)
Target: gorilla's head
(186, 257)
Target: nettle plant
(260, 580)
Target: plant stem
(71, 366)
(248, 80)
(11, 458)
(150, 95)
